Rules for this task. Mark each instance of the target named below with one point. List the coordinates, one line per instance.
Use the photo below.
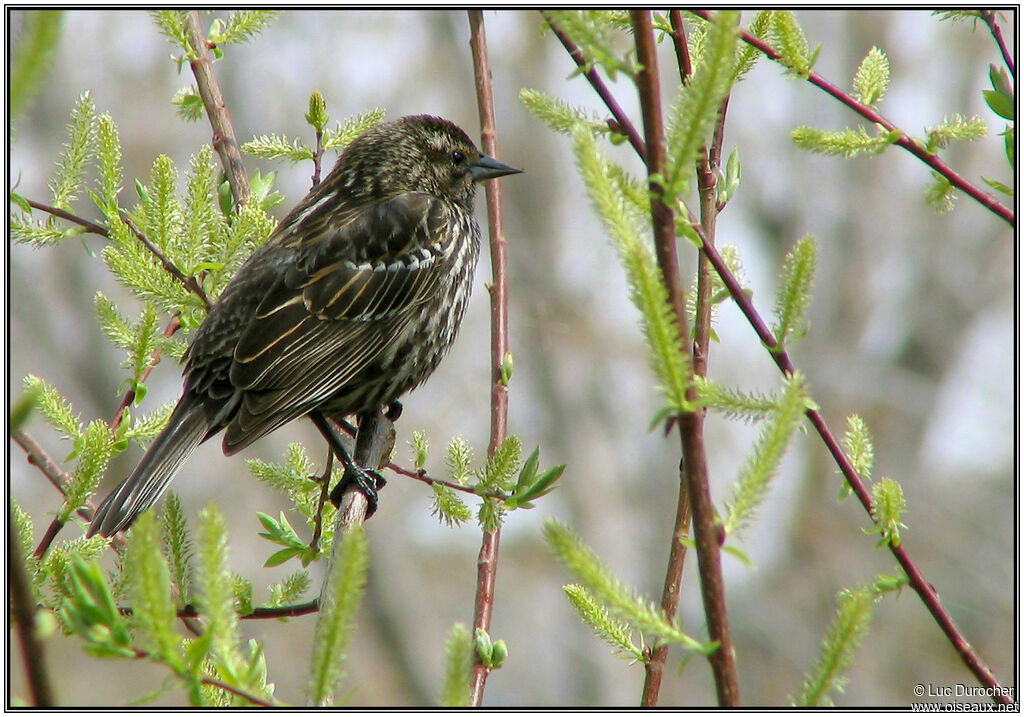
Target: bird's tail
(187, 428)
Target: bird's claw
(366, 481)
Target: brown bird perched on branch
(352, 301)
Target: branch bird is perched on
(352, 301)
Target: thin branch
(421, 475)
(189, 282)
(73, 218)
(487, 560)
(622, 122)
(258, 613)
(224, 140)
(238, 692)
(929, 596)
(986, 199)
(23, 611)
(989, 16)
(709, 564)
(172, 328)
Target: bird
(353, 301)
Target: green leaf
(317, 116)
(153, 613)
(23, 407)
(889, 505)
(614, 632)
(842, 640)
(761, 467)
(794, 297)
(89, 611)
(846, 142)
(340, 602)
(67, 180)
(343, 134)
(32, 58)
(561, 116)
(458, 668)
(872, 78)
(1000, 103)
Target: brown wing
(330, 314)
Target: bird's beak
(489, 168)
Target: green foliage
(859, 449)
(614, 632)
(293, 479)
(289, 591)
(32, 58)
(719, 293)
(56, 409)
(281, 532)
(23, 537)
(95, 449)
(953, 128)
(733, 403)
(747, 55)
(139, 339)
(597, 34)
(794, 296)
(277, 147)
(1000, 99)
(87, 609)
(108, 160)
(752, 485)
(842, 640)
(317, 116)
(420, 447)
(189, 103)
(669, 359)
(176, 544)
(145, 428)
(449, 507)
(872, 78)
(67, 181)
(174, 24)
(23, 407)
(788, 39)
(459, 458)
(941, 194)
(340, 602)
(497, 476)
(561, 116)
(216, 596)
(888, 508)
(491, 654)
(153, 613)
(696, 109)
(846, 142)
(241, 26)
(458, 668)
(609, 591)
(530, 486)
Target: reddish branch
(487, 561)
(723, 664)
(989, 16)
(986, 199)
(622, 122)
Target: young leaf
(794, 295)
(872, 78)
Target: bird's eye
(458, 157)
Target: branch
(986, 199)
(224, 140)
(73, 218)
(691, 423)
(189, 282)
(172, 327)
(989, 16)
(622, 122)
(23, 611)
(929, 596)
(487, 560)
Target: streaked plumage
(353, 301)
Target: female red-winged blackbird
(352, 302)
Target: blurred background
(912, 327)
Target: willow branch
(487, 560)
(90, 227)
(224, 141)
(23, 611)
(989, 16)
(986, 199)
(709, 564)
(622, 122)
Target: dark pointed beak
(489, 168)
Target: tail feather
(187, 428)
